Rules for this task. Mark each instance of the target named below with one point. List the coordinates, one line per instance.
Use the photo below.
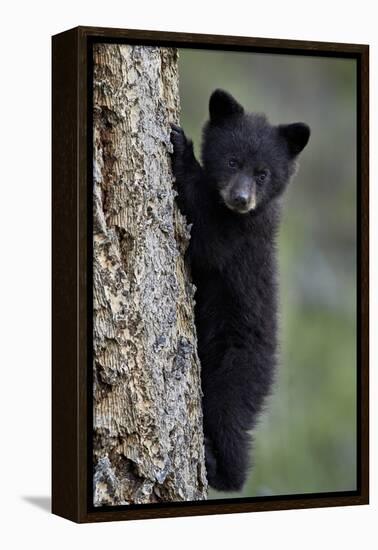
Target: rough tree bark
(148, 440)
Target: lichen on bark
(148, 439)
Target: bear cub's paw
(211, 461)
(182, 156)
(178, 139)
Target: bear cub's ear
(296, 136)
(222, 105)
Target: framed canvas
(210, 274)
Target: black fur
(233, 202)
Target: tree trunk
(148, 439)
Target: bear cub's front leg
(183, 158)
(187, 172)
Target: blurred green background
(306, 438)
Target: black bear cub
(233, 202)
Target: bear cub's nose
(240, 199)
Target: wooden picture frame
(71, 309)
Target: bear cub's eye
(261, 176)
(233, 163)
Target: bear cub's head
(248, 160)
